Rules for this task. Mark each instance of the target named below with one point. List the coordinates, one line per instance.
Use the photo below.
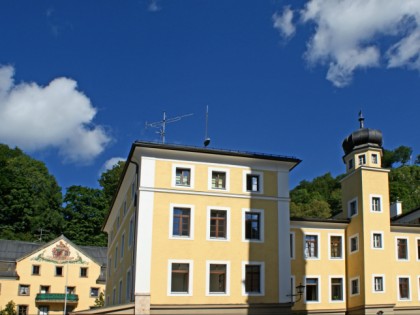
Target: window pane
(252, 226)
(311, 246)
(252, 278)
(217, 278)
(183, 176)
(311, 289)
(181, 222)
(218, 180)
(404, 288)
(402, 248)
(336, 289)
(180, 275)
(335, 246)
(379, 284)
(218, 223)
(252, 182)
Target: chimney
(396, 208)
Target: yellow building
(199, 230)
(35, 276)
(366, 260)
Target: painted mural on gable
(60, 253)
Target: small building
(53, 278)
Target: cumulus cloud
(35, 118)
(348, 35)
(109, 164)
(283, 22)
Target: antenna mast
(162, 124)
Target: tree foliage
(404, 185)
(30, 197)
(109, 180)
(9, 309)
(401, 155)
(84, 213)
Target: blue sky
(79, 79)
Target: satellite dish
(206, 142)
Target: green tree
(403, 154)
(30, 197)
(109, 180)
(10, 309)
(417, 162)
(404, 185)
(100, 300)
(84, 213)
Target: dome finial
(361, 120)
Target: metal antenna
(162, 124)
(207, 139)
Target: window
(43, 310)
(350, 164)
(122, 245)
(217, 278)
(133, 188)
(354, 244)
(124, 207)
(376, 204)
(362, 159)
(402, 248)
(120, 292)
(218, 223)
(253, 278)
(337, 289)
(118, 223)
(44, 289)
(182, 176)
(374, 159)
(128, 287)
(181, 222)
(377, 240)
(180, 278)
(292, 245)
(94, 292)
(71, 290)
(218, 180)
(378, 284)
(312, 290)
(253, 182)
(311, 246)
(403, 288)
(352, 208)
(131, 233)
(59, 271)
(83, 272)
(253, 225)
(336, 246)
(24, 289)
(116, 257)
(36, 270)
(354, 286)
(22, 309)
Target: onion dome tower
(363, 147)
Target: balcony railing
(56, 298)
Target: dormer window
(362, 159)
(374, 159)
(350, 164)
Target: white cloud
(154, 6)
(34, 118)
(109, 164)
(348, 35)
(283, 22)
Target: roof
(399, 217)
(11, 250)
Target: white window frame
(318, 244)
(262, 278)
(408, 249)
(183, 166)
(357, 207)
(343, 288)
(380, 203)
(261, 212)
(292, 240)
(372, 240)
(227, 281)
(172, 206)
(260, 182)
(190, 277)
(358, 243)
(373, 283)
(222, 170)
(358, 286)
(410, 293)
(342, 246)
(318, 287)
(217, 208)
(418, 252)
(372, 160)
(359, 157)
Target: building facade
(200, 230)
(54, 278)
